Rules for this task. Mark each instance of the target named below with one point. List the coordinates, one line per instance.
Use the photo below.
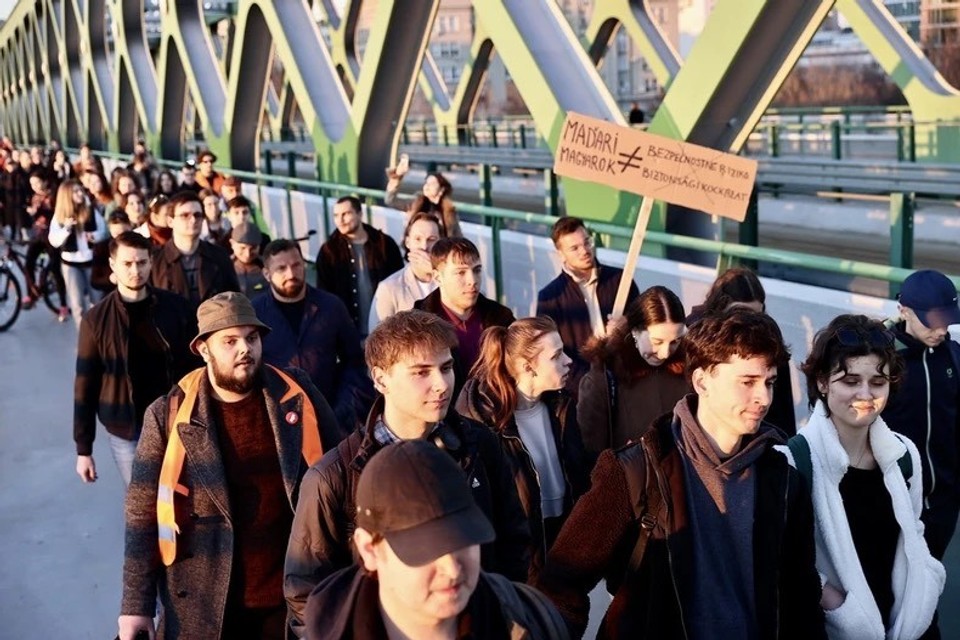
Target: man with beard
(133, 345)
(354, 260)
(312, 331)
(215, 482)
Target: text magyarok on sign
(650, 165)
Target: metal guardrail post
(901, 233)
(405, 135)
(748, 232)
(493, 135)
(446, 138)
(835, 140)
(289, 189)
(325, 210)
(551, 193)
(369, 202)
(486, 186)
(269, 162)
(901, 154)
(423, 132)
(774, 133)
(912, 139)
(523, 136)
(496, 225)
(291, 164)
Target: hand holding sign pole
(657, 168)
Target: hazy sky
(6, 6)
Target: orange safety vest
(175, 454)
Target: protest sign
(650, 165)
(655, 167)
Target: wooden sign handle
(630, 265)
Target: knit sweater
(917, 577)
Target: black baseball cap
(417, 497)
(933, 297)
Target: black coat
(562, 301)
(492, 314)
(475, 404)
(216, 271)
(321, 538)
(102, 384)
(600, 534)
(335, 267)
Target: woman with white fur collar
(879, 579)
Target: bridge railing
(499, 220)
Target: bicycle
(10, 300)
(17, 255)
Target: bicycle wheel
(48, 289)
(9, 299)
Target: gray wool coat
(193, 590)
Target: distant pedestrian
(459, 273)
(354, 260)
(245, 244)
(186, 265)
(580, 299)
(75, 229)
(207, 176)
(636, 114)
(401, 290)
(435, 197)
(418, 535)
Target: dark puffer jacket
(475, 403)
(622, 395)
(321, 537)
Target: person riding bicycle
(40, 210)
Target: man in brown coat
(214, 487)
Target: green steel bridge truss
(84, 70)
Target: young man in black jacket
(133, 346)
(926, 407)
(410, 362)
(580, 299)
(354, 260)
(725, 546)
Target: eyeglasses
(876, 337)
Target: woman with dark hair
(879, 579)
(166, 184)
(516, 388)
(741, 288)
(97, 186)
(435, 197)
(636, 372)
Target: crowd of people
(390, 454)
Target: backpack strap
(905, 462)
(800, 449)
(612, 405)
(645, 498)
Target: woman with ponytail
(636, 372)
(516, 388)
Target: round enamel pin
(292, 417)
